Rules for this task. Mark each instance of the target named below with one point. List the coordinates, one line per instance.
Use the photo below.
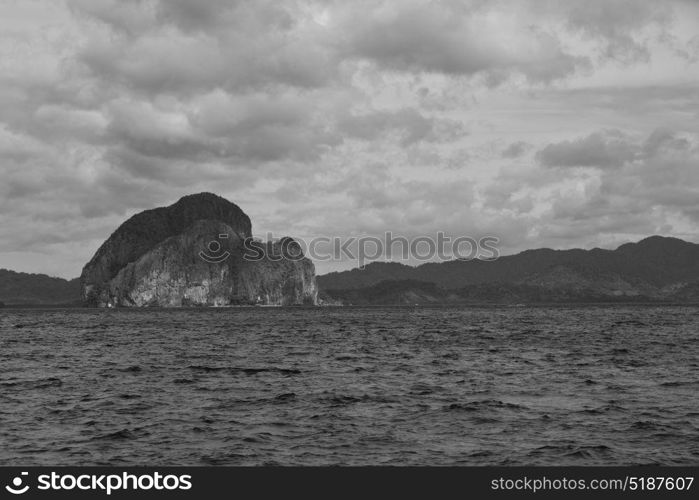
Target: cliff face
(201, 257)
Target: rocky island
(195, 253)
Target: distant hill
(654, 269)
(37, 289)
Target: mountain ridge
(18, 288)
(654, 268)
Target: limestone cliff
(197, 252)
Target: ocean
(573, 385)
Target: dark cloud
(604, 149)
(221, 15)
(633, 198)
(613, 149)
(664, 141)
(618, 25)
(454, 38)
(516, 149)
(346, 116)
(409, 124)
(186, 47)
(193, 16)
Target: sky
(545, 123)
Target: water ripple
(595, 385)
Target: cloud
(519, 118)
(619, 25)
(639, 99)
(664, 141)
(613, 149)
(604, 149)
(455, 38)
(266, 127)
(516, 149)
(410, 125)
(184, 47)
(655, 192)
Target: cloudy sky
(560, 123)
